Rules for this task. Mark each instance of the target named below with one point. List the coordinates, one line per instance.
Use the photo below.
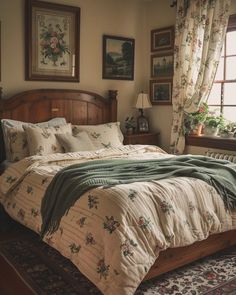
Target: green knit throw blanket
(72, 182)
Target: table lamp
(142, 103)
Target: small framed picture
(118, 58)
(162, 39)
(161, 91)
(162, 65)
(52, 42)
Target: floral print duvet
(114, 235)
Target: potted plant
(212, 125)
(228, 129)
(194, 121)
(130, 125)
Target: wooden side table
(142, 138)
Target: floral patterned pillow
(15, 140)
(42, 141)
(102, 135)
(17, 144)
(78, 143)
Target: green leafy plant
(213, 121)
(130, 123)
(192, 120)
(212, 125)
(228, 129)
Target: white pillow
(15, 141)
(42, 141)
(102, 135)
(80, 142)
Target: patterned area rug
(47, 272)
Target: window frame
(216, 142)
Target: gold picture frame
(52, 41)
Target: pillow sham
(80, 142)
(102, 135)
(17, 144)
(43, 140)
(15, 141)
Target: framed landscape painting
(162, 39)
(162, 65)
(161, 91)
(52, 41)
(118, 58)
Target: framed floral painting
(161, 91)
(52, 41)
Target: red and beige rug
(47, 272)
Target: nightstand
(1, 168)
(142, 138)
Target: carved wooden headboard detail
(77, 106)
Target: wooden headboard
(77, 106)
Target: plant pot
(130, 130)
(227, 134)
(211, 131)
(197, 130)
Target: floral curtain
(199, 35)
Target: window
(222, 99)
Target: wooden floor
(10, 281)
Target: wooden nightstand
(1, 168)
(142, 138)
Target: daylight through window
(222, 99)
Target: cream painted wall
(158, 14)
(128, 18)
(98, 17)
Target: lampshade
(143, 101)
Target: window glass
(230, 113)
(222, 98)
(230, 94)
(214, 110)
(214, 97)
(231, 43)
(231, 67)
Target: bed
(87, 108)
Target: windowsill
(212, 142)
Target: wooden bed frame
(83, 107)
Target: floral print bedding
(114, 235)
